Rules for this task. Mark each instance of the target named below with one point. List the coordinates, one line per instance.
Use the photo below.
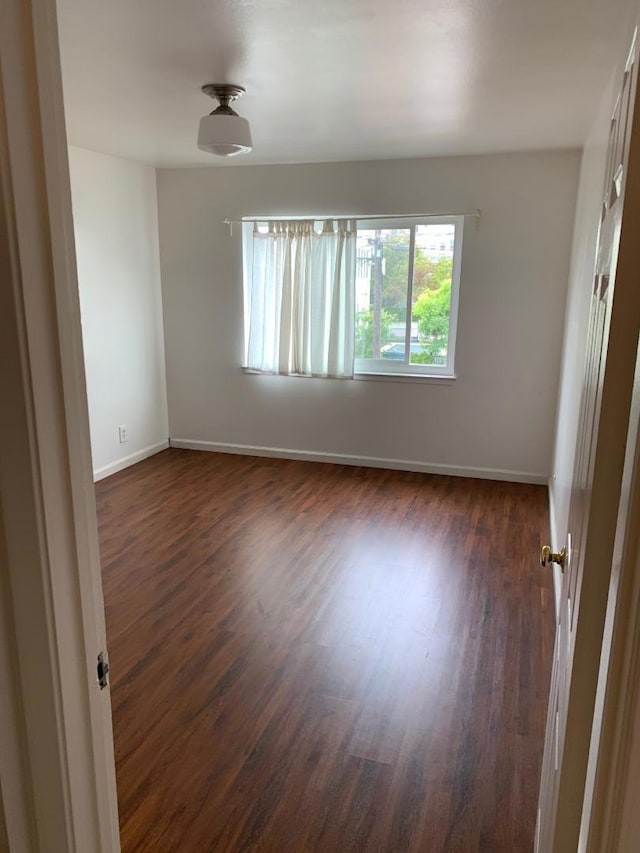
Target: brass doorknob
(547, 556)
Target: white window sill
(369, 376)
(425, 378)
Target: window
(338, 297)
(407, 295)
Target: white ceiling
(337, 79)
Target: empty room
(340, 339)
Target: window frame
(393, 367)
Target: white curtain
(299, 297)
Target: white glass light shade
(224, 135)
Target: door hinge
(103, 670)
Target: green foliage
(427, 274)
(432, 353)
(364, 332)
(395, 251)
(431, 310)
(440, 273)
(423, 273)
(431, 295)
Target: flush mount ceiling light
(224, 132)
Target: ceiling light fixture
(224, 132)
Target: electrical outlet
(122, 433)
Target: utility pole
(377, 292)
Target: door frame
(610, 821)
(613, 773)
(57, 770)
(606, 675)
(57, 777)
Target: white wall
(116, 232)
(496, 419)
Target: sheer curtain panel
(299, 296)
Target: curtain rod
(475, 213)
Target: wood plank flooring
(312, 657)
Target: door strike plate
(103, 670)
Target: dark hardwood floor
(313, 657)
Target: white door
(57, 775)
(604, 414)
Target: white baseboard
(364, 461)
(553, 530)
(131, 459)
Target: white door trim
(53, 625)
(613, 765)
